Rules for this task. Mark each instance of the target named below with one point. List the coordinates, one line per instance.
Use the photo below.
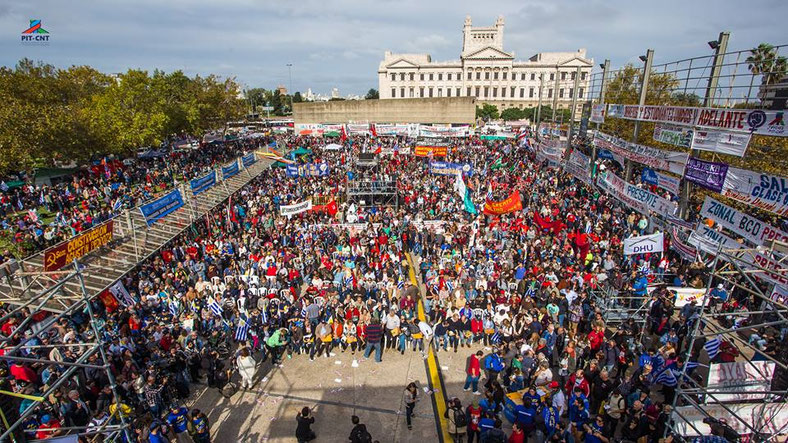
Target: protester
(304, 432)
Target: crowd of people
(520, 292)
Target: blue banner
(649, 176)
(230, 170)
(446, 168)
(308, 170)
(248, 160)
(604, 154)
(203, 183)
(159, 208)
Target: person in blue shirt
(550, 421)
(525, 414)
(201, 427)
(177, 419)
(595, 431)
(578, 415)
(158, 433)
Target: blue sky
(339, 43)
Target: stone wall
(417, 110)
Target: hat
(553, 385)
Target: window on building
(478, 75)
(571, 92)
(468, 91)
(431, 77)
(563, 76)
(421, 77)
(402, 76)
(504, 75)
(440, 76)
(561, 93)
(574, 74)
(486, 91)
(522, 76)
(430, 92)
(512, 94)
(495, 92)
(552, 76)
(477, 92)
(522, 92)
(421, 92)
(402, 92)
(550, 93)
(393, 93)
(533, 76)
(393, 77)
(448, 92)
(521, 106)
(470, 76)
(583, 75)
(580, 93)
(411, 76)
(503, 92)
(448, 76)
(495, 75)
(410, 93)
(458, 92)
(530, 92)
(487, 75)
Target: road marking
(434, 377)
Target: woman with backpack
(458, 421)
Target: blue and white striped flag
(588, 228)
(645, 268)
(349, 280)
(496, 337)
(489, 195)
(712, 347)
(242, 330)
(303, 312)
(435, 288)
(400, 284)
(173, 308)
(667, 378)
(118, 203)
(215, 307)
(449, 285)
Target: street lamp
(290, 74)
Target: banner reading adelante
(58, 256)
(511, 204)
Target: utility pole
(290, 74)
(572, 111)
(555, 92)
(602, 91)
(647, 59)
(539, 105)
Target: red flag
(332, 208)
(379, 150)
(343, 136)
(373, 130)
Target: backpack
(364, 437)
(495, 437)
(460, 419)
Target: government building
(489, 73)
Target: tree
(372, 94)
(297, 97)
(510, 114)
(764, 61)
(487, 112)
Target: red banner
(425, 151)
(58, 256)
(511, 204)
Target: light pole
(290, 75)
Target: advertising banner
(728, 380)
(308, 170)
(64, 253)
(289, 210)
(162, 206)
(723, 142)
(747, 226)
(598, 113)
(656, 158)
(636, 198)
(764, 191)
(768, 418)
(248, 160)
(673, 134)
(230, 170)
(511, 204)
(644, 244)
(754, 121)
(203, 183)
(656, 178)
(446, 168)
(709, 175)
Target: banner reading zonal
(64, 253)
(511, 204)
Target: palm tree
(765, 61)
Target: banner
(754, 121)
(747, 226)
(768, 418)
(723, 142)
(446, 168)
(598, 113)
(297, 208)
(431, 150)
(656, 158)
(673, 135)
(728, 380)
(230, 170)
(708, 240)
(644, 244)
(248, 160)
(709, 175)
(550, 150)
(443, 131)
(678, 242)
(308, 170)
(66, 252)
(315, 129)
(162, 206)
(686, 295)
(656, 178)
(122, 294)
(358, 128)
(764, 191)
(392, 130)
(511, 204)
(636, 198)
(780, 295)
(579, 165)
(203, 183)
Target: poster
(230, 170)
(296, 208)
(446, 168)
(709, 175)
(201, 184)
(598, 113)
(709, 240)
(66, 252)
(660, 180)
(722, 142)
(644, 244)
(673, 134)
(511, 204)
(764, 191)
(752, 229)
(727, 378)
(670, 161)
(636, 198)
(162, 206)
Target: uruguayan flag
(449, 285)
(588, 228)
(435, 288)
(242, 330)
(667, 378)
(401, 284)
(303, 312)
(530, 292)
(712, 347)
(349, 280)
(173, 308)
(496, 338)
(118, 203)
(215, 307)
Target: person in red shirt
(518, 435)
(577, 380)
(595, 338)
(473, 372)
(50, 427)
(474, 413)
(23, 372)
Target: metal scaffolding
(13, 419)
(753, 403)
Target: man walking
(473, 373)
(374, 335)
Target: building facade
(488, 73)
